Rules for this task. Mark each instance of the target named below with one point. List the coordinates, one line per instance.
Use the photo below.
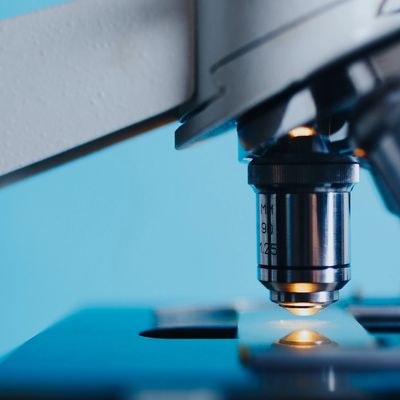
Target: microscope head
(308, 87)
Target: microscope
(312, 88)
(311, 102)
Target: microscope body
(309, 86)
(312, 88)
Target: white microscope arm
(74, 73)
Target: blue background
(142, 223)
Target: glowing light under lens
(303, 311)
(304, 338)
(302, 131)
(359, 152)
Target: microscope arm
(72, 74)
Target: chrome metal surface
(325, 276)
(313, 298)
(304, 280)
(303, 247)
(303, 229)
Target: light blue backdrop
(142, 223)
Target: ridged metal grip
(302, 174)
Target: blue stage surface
(210, 352)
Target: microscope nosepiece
(303, 207)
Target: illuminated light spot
(301, 131)
(304, 339)
(359, 152)
(303, 311)
(304, 287)
(301, 287)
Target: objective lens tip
(303, 310)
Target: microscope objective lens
(303, 208)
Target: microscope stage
(210, 353)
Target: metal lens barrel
(303, 207)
